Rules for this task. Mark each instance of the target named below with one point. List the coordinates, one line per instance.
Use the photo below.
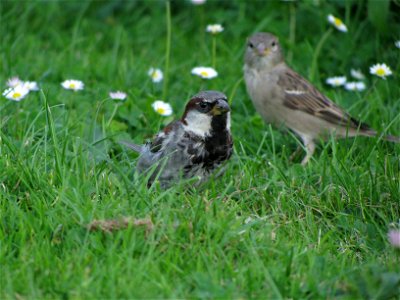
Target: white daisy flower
(337, 23)
(118, 95)
(162, 108)
(198, 2)
(205, 72)
(17, 93)
(381, 70)
(14, 82)
(355, 86)
(31, 85)
(214, 28)
(336, 81)
(155, 74)
(397, 43)
(72, 84)
(357, 74)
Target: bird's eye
(203, 104)
(273, 44)
(251, 45)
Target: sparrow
(194, 146)
(283, 97)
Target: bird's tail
(392, 138)
(134, 147)
(373, 133)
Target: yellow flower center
(16, 95)
(204, 73)
(72, 85)
(160, 110)
(380, 72)
(154, 75)
(338, 22)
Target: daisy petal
(17, 93)
(337, 23)
(380, 70)
(14, 81)
(336, 81)
(156, 75)
(355, 86)
(214, 28)
(205, 72)
(72, 84)
(198, 2)
(162, 108)
(31, 85)
(118, 95)
(357, 74)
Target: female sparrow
(282, 96)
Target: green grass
(269, 228)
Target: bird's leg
(295, 153)
(310, 148)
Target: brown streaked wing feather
(308, 99)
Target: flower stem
(167, 50)
(235, 87)
(388, 90)
(202, 23)
(316, 53)
(292, 34)
(214, 51)
(116, 106)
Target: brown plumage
(283, 97)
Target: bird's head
(263, 50)
(206, 113)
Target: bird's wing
(299, 94)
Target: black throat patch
(218, 144)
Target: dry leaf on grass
(113, 225)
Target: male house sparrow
(282, 96)
(195, 145)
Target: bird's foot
(306, 159)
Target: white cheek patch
(198, 123)
(228, 121)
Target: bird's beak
(221, 107)
(262, 50)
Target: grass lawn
(269, 228)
